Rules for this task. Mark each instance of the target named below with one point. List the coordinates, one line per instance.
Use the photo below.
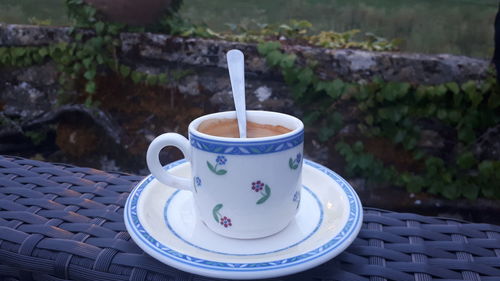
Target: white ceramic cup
(242, 188)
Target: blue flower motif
(296, 196)
(299, 157)
(221, 160)
(197, 180)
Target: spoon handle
(236, 66)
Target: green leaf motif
(211, 167)
(267, 194)
(221, 172)
(215, 212)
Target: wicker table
(60, 222)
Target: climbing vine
(387, 109)
(92, 51)
(394, 111)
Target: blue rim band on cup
(261, 117)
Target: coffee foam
(229, 128)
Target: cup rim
(192, 129)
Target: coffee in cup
(228, 128)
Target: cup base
(249, 235)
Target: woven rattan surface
(60, 222)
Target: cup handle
(155, 167)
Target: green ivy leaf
(87, 62)
(469, 191)
(274, 58)
(488, 191)
(151, 79)
(358, 147)
(18, 52)
(470, 88)
(494, 100)
(79, 37)
(89, 74)
(305, 76)
(137, 76)
(414, 184)
(410, 143)
(400, 136)
(267, 47)
(369, 119)
(450, 192)
(466, 160)
(453, 87)
(485, 87)
(162, 78)
(383, 113)
(466, 134)
(288, 61)
(325, 133)
(440, 90)
(88, 102)
(310, 117)
(442, 114)
(363, 93)
(336, 88)
(365, 161)
(125, 70)
(454, 116)
(431, 109)
(343, 148)
(486, 169)
(298, 91)
(420, 93)
(99, 27)
(402, 89)
(90, 87)
(43, 52)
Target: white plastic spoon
(236, 66)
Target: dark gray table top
(60, 222)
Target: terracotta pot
(133, 12)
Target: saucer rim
(308, 259)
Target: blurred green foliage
(392, 111)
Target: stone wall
(116, 134)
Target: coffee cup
(242, 187)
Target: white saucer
(162, 221)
